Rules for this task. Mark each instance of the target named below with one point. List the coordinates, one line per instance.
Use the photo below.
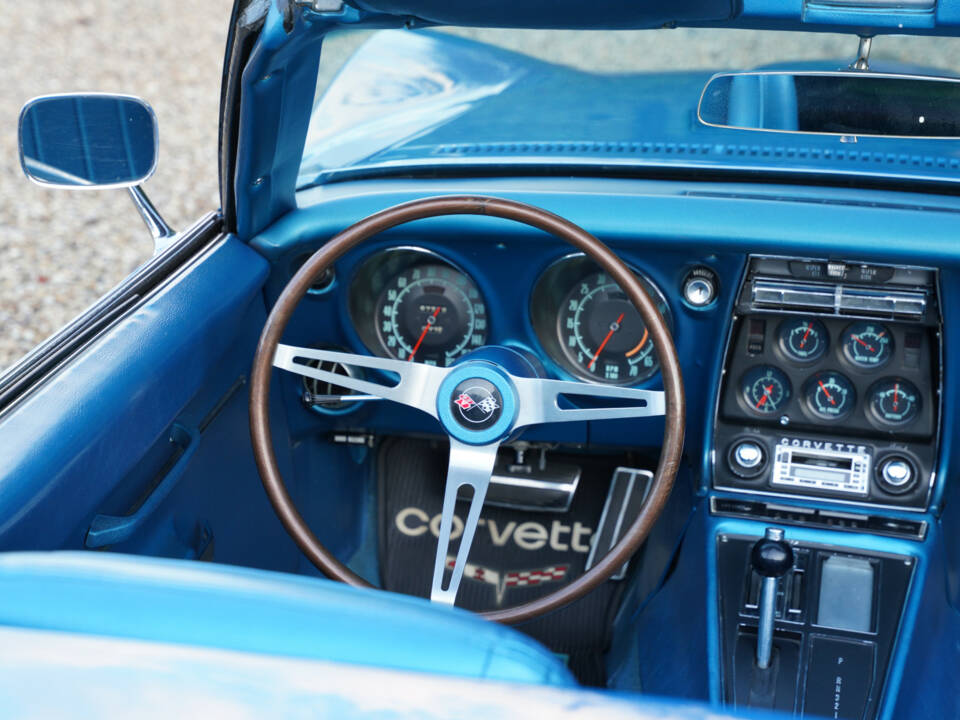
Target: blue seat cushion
(218, 606)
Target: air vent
(314, 388)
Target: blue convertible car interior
(502, 385)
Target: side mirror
(94, 140)
(88, 141)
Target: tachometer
(431, 314)
(602, 335)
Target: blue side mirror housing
(93, 140)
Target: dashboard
(503, 284)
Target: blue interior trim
(263, 612)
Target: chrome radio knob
(747, 458)
(897, 474)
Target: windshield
(394, 100)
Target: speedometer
(602, 334)
(431, 314)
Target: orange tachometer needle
(868, 347)
(806, 335)
(826, 392)
(613, 328)
(766, 393)
(423, 333)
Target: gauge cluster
(412, 304)
(828, 403)
(801, 371)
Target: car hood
(427, 99)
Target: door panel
(95, 439)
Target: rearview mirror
(848, 103)
(88, 141)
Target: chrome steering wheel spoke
(540, 401)
(470, 466)
(412, 384)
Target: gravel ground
(60, 251)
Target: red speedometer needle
(423, 333)
(896, 395)
(826, 392)
(806, 334)
(766, 393)
(613, 328)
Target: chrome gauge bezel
(371, 279)
(546, 297)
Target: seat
(218, 606)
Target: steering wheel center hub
(477, 404)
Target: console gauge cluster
(832, 383)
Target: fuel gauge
(895, 401)
(803, 339)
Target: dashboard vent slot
(319, 388)
(838, 299)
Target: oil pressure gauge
(830, 395)
(895, 401)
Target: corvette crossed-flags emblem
(487, 405)
(514, 578)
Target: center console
(830, 397)
(831, 384)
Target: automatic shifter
(772, 558)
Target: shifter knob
(772, 558)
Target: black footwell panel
(517, 556)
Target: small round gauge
(431, 314)
(830, 395)
(868, 345)
(765, 389)
(895, 401)
(602, 335)
(803, 339)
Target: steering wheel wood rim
(296, 289)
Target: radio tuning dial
(747, 458)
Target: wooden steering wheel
(519, 400)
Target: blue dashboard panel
(662, 228)
(505, 260)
